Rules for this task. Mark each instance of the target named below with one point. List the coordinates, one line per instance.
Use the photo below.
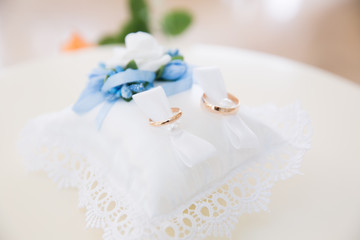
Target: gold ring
(177, 114)
(221, 110)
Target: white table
(324, 203)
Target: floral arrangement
(131, 70)
(173, 22)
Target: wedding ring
(177, 114)
(221, 110)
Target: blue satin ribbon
(128, 76)
(98, 91)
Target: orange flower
(76, 42)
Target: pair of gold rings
(205, 103)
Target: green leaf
(160, 72)
(106, 78)
(139, 10)
(178, 57)
(132, 64)
(139, 21)
(176, 22)
(127, 99)
(108, 40)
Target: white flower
(143, 49)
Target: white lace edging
(212, 213)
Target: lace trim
(215, 212)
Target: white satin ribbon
(189, 148)
(235, 129)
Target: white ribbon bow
(190, 149)
(236, 130)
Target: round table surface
(323, 203)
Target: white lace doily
(215, 211)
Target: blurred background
(322, 33)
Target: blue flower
(140, 87)
(174, 70)
(126, 93)
(173, 52)
(119, 69)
